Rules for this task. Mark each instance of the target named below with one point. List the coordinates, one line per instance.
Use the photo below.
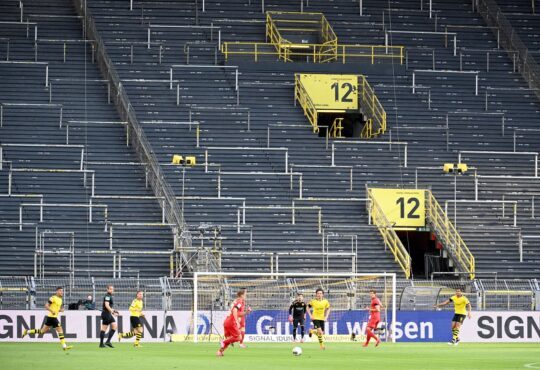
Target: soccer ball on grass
(297, 351)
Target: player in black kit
(297, 316)
(107, 318)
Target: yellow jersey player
(136, 312)
(462, 309)
(53, 306)
(319, 309)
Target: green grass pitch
(262, 356)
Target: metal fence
(22, 293)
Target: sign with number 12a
(404, 208)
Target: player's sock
(138, 337)
(35, 331)
(62, 340)
(101, 337)
(127, 335)
(302, 331)
(294, 334)
(455, 334)
(242, 338)
(111, 333)
(320, 337)
(228, 342)
(369, 335)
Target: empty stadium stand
(266, 193)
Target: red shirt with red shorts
(231, 328)
(375, 316)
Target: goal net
(269, 295)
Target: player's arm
(327, 313)
(108, 308)
(48, 307)
(236, 317)
(377, 308)
(441, 304)
(309, 311)
(62, 308)
(290, 313)
(469, 310)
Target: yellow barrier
(319, 53)
(301, 95)
(449, 236)
(337, 128)
(372, 109)
(390, 237)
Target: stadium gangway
(514, 204)
(44, 170)
(29, 105)
(283, 149)
(253, 174)
(302, 127)
(86, 81)
(195, 107)
(511, 89)
(471, 114)
(507, 177)
(10, 145)
(350, 168)
(132, 48)
(65, 42)
(293, 208)
(523, 130)
(113, 225)
(534, 154)
(275, 256)
(201, 45)
(445, 34)
(205, 66)
(211, 27)
(439, 168)
(415, 71)
(42, 205)
(46, 64)
(390, 143)
(22, 23)
(487, 51)
(40, 252)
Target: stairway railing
(449, 236)
(391, 239)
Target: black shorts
(298, 321)
(107, 318)
(52, 322)
(318, 324)
(135, 322)
(459, 318)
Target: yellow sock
(62, 340)
(35, 331)
(138, 337)
(320, 338)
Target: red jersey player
(242, 315)
(231, 325)
(374, 318)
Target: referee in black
(297, 316)
(107, 318)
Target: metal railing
(391, 239)
(139, 140)
(511, 42)
(449, 236)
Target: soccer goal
(269, 295)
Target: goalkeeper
(297, 316)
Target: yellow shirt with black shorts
(135, 310)
(55, 304)
(460, 308)
(319, 308)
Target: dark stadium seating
(259, 145)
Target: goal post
(270, 295)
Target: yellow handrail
(337, 128)
(449, 236)
(342, 53)
(391, 240)
(372, 109)
(306, 103)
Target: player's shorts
(107, 318)
(318, 324)
(459, 318)
(299, 322)
(52, 322)
(373, 323)
(135, 322)
(230, 329)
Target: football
(297, 351)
